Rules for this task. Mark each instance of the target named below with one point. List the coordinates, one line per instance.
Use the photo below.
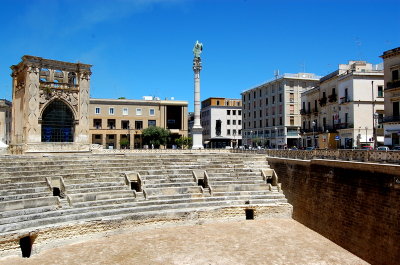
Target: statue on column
(197, 49)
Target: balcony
(391, 119)
(344, 100)
(304, 112)
(332, 98)
(393, 84)
(344, 126)
(59, 86)
(322, 101)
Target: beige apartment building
(5, 121)
(271, 111)
(391, 61)
(344, 110)
(118, 123)
(221, 119)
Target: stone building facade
(271, 111)
(5, 121)
(118, 123)
(221, 119)
(50, 104)
(343, 111)
(391, 61)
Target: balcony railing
(344, 100)
(344, 126)
(391, 119)
(322, 101)
(53, 85)
(332, 98)
(394, 84)
(304, 112)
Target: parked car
(310, 148)
(396, 148)
(383, 148)
(367, 147)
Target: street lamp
(251, 136)
(313, 133)
(234, 139)
(375, 118)
(276, 138)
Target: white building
(391, 61)
(5, 121)
(350, 106)
(271, 111)
(221, 119)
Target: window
(217, 102)
(260, 123)
(291, 121)
(239, 122)
(228, 122)
(240, 132)
(234, 132)
(273, 122)
(138, 125)
(125, 125)
(239, 112)
(228, 132)
(395, 75)
(111, 123)
(233, 112)
(152, 123)
(380, 91)
(152, 112)
(266, 123)
(280, 97)
(97, 123)
(266, 101)
(125, 111)
(97, 110)
(138, 111)
(255, 114)
(111, 111)
(273, 99)
(280, 121)
(228, 112)
(260, 113)
(233, 122)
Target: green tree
(124, 143)
(122, 98)
(184, 142)
(155, 135)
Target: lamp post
(276, 138)
(313, 133)
(374, 137)
(234, 139)
(366, 131)
(251, 136)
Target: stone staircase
(42, 192)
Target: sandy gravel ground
(246, 242)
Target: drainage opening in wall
(26, 246)
(135, 186)
(56, 192)
(200, 182)
(249, 214)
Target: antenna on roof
(276, 74)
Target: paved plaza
(273, 241)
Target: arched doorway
(57, 123)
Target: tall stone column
(197, 130)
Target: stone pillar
(32, 129)
(197, 130)
(82, 129)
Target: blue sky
(144, 47)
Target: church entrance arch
(57, 123)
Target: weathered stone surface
(271, 241)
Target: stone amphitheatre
(187, 207)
